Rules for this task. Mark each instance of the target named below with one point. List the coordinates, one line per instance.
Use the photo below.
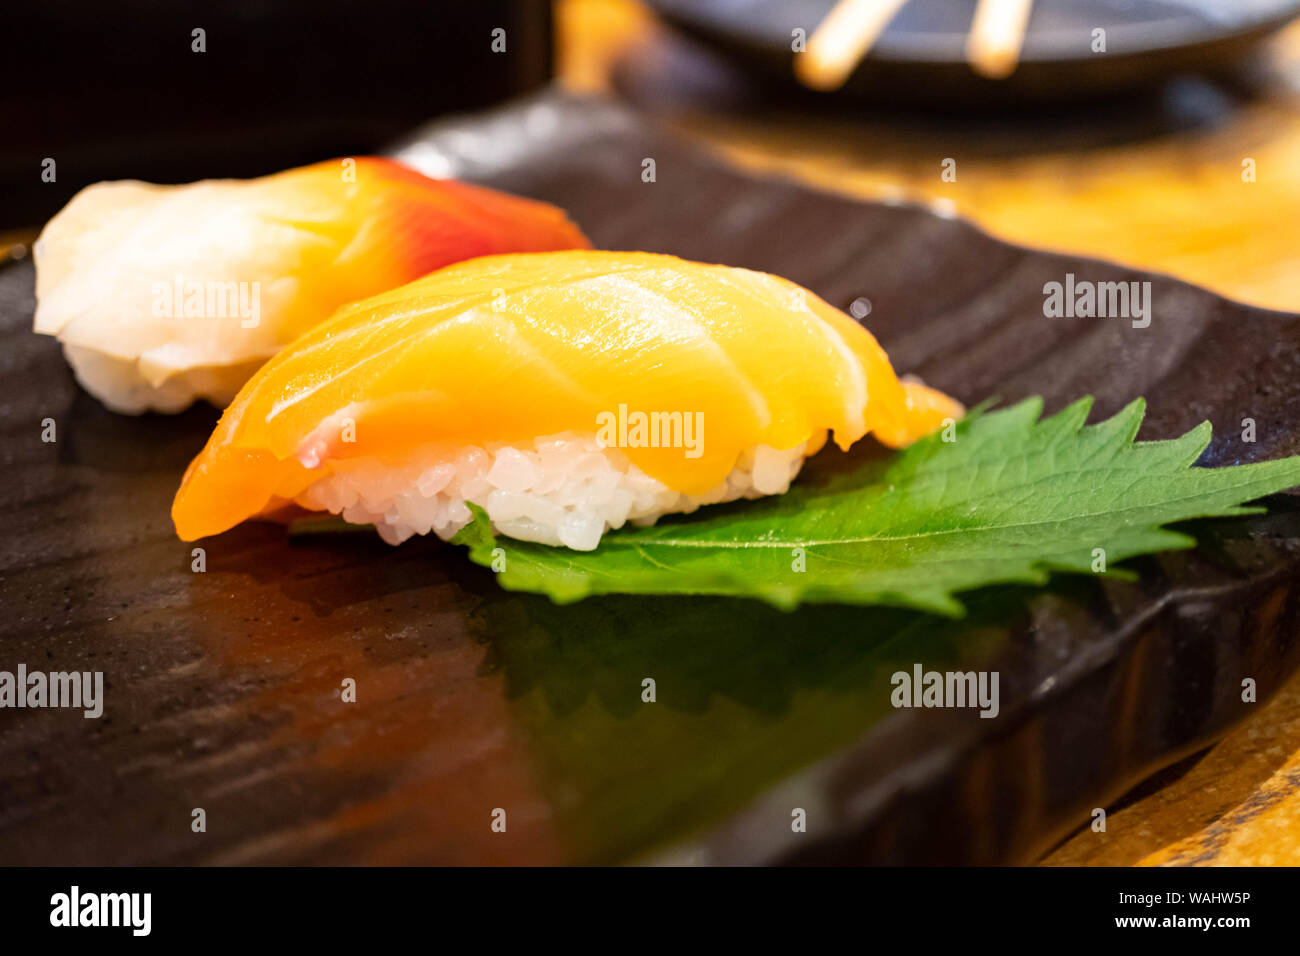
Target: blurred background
(1129, 146)
(1169, 142)
(177, 90)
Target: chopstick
(996, 36)
(840, 42)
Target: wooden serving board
(223, 686)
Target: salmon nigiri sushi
(563, 393)
(164, 294)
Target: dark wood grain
(223, 686)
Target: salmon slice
(161, 294)
(501, 351)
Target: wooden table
(1159, 188)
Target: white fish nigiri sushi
(564, 393)
(164, 294)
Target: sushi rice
(129, 387)
(565, 489)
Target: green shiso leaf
(1012, 499)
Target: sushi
(161, 295)
(564, 393)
